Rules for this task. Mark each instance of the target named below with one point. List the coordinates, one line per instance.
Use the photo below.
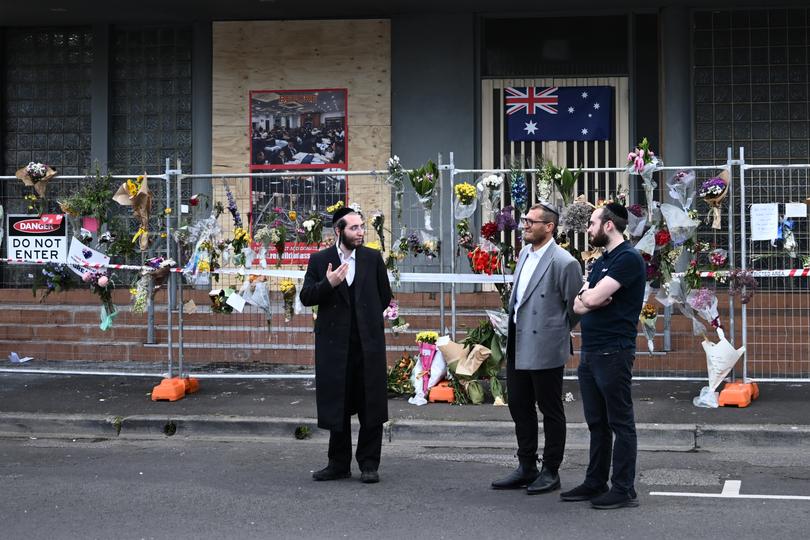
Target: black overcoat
(333, 325)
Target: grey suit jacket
(546, 315)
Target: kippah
(339, 213)
(617, 209)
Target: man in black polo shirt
(610, 303)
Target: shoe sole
(340, 477)
(375, 481)
(633, 503)
(580, 498)
(522, 486)
(549, 489)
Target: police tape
(405, 277)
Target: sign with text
(34, 239)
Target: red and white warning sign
(33, 238)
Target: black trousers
(369, 440)
(605, 381)
(528, 389)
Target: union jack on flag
(559, 113)
(531, 98)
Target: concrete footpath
(114, 407)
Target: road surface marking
(731, 490)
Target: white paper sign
(236, 302)
(764, 221)
(796, 209)
(80, 254)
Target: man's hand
(336, 277)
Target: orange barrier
(174, 389)
(443, 391)
(738, 394)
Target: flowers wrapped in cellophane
(424, 181)
(714, 191)
(135, 193)
(648, 317)
(466, 200)
(288, 290)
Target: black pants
(605, 381)
(369, 441)
(542, 388)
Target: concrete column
(201, 105)
(676, 89)
(100, 100)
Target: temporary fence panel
(776, 247)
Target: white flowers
(493, 181)
(308, 225)
(36, 170)
(393, 162)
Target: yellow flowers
(374, 245)
(286, 286)
(203, 266)
(465, 193)
(133, 186)
(427, 337)
(167, 211)
(293, 215)
(241, 234)
(335, 207)
(648, 312)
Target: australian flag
(559, 113)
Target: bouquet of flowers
(391, 313)
(102, 285)
(232, 208)
(396, 177)
(718, 258)
(704, 302)
(135, 193)
(682, 188)
(466, 200)
(241, 240)
(313, 229)
(36, 175)
(714, 191)
(643, 161)
(288, 290)
(575, 216)
(427, 244)
(377, 223)
(492, 184)
(53, 277)
(742, 283)
(399, 376)
(648, 317)
(219, 300)
(424, 181)
(485, 262)
(563, 180)
(464, 239)
(519, 190)
(505, 220)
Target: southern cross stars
(570, 110)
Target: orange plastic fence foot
(443, 391)
(169, 389)
(192, 385)
(738, 394)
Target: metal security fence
(189, 329)
(776, 321)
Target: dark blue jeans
(604, 382)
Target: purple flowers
(505, 220)
(237, 219)
(636, 210)
(713, 187)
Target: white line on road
(731, 490)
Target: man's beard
(600, 239)
(344, 241)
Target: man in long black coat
(349, 284)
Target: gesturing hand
(336, 277)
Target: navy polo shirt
(614, 326)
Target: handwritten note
(764, 221)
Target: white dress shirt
(526, 273)
(351, 259)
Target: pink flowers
(103, 281)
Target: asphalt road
(175, 489)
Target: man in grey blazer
(541, 316)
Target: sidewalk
(34, 405)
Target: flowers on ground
(399, 377)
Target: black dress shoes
(582, 493)
(369, 477)
(521, 477)
(547, 481)
(330, 472)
